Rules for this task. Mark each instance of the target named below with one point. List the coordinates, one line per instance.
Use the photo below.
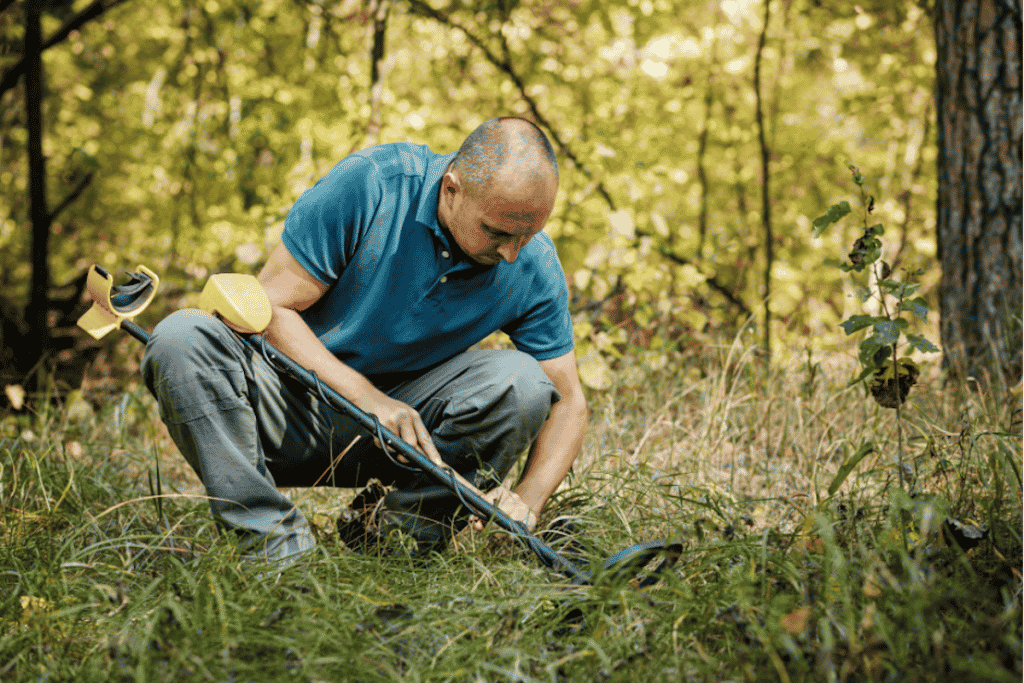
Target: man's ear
(450, 183)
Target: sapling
(889, 375)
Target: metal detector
(240, 300)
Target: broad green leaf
(887, 331)
(834, 215)
(869, 347)
(922, 344)
(901, 290)
(847, 467)
(855, 323)
(918, 307)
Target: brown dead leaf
(795, 622)
(815, 545)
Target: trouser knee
(192, 363)
(523, 398)
(531, 393)
(487, 424)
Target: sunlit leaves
(206, 120)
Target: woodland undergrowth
(807, 556)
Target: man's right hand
(291, 289)
(403, 421)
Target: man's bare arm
(561, 437)
(292, 289)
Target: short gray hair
(487, 149)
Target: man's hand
(403, 421)
(512, 505)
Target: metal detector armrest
(239, 299)
(113, 305)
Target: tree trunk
(38, 303)
(978, 102)
(380, 10)
(766, 205)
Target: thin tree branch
(380, 10)
(75, 194)
(505, 64)
(766, 211)
(35, 311)
(713, 283)
(702, 144)
(11, 76)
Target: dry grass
(780, 579)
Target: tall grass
(111, 569)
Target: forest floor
(825, 538)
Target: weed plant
(805, 559)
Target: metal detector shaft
(440, 474)
(135, 330)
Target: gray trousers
(245, 429)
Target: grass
(110, 568)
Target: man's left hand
(512, 505)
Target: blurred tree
(978, 99)
(29, 331)
(38, 302)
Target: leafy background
(202, 122)
(826, 538)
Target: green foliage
(891, 378)
(202, 122)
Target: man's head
(500, 189)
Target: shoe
(358, 524)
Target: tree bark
(978, 103)
(38, 303)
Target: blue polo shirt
(401, 296)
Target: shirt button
(444, 279)
(445, 254)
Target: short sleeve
(544, 329)
(324, 227)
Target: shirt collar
(426, 213)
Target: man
(389, 270)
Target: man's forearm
(554, 451)
(290, 333)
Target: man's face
(492, 225)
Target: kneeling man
(389, 269)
